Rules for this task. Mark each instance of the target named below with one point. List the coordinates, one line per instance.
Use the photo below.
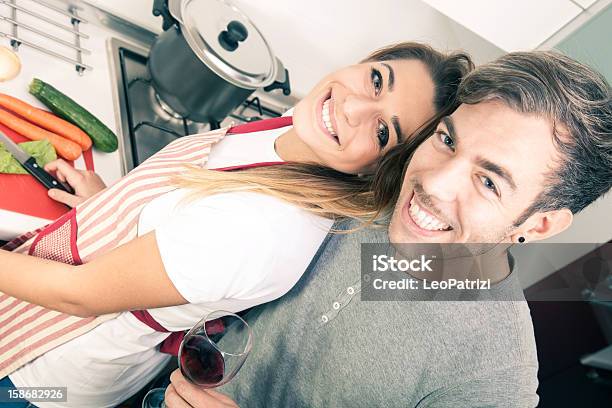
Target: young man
(530, 145)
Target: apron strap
(172, 343)
(261, 125)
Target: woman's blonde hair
(330, 193)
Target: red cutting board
(23, 194)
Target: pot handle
(160, 8)
(282, 79)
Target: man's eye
(377, 81)
(446, 139)
(488, 184)
(382, 132)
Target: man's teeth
(425, 220)
(327, 120)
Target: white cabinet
(511, 25)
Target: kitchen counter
(93, 90)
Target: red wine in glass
(201, 361)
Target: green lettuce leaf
(41, 150)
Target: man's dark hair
(576, 100)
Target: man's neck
(495, 267)
(492, 265)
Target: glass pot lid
(226, 41)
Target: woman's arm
(130, 277)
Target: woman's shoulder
(261, 218)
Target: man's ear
(544, 225)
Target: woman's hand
(84, 182)
(182, 394)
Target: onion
(10, 65)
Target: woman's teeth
(327, 120)
(426, 220)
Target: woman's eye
(377, 81)
(446, 139)
(382, 132)
(488, 183)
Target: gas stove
(147, 124)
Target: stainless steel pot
(210, 58)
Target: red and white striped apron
(105, 221)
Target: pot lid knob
(236, 32)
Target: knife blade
(29, 164)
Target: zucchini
(102, 137)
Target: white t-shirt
(228, 251)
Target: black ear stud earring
(521, 240)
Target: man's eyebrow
(398, 129)
(448, 122)
(391, 80)
(496, 169)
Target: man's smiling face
(472, 179)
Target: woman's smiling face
(356, 114)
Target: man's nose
(359, 109)
(445, 180)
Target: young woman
(166, 244)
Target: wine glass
(211, 353)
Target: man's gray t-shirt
(321, 346)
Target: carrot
(64, 147)
(46, 120)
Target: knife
(29, 164)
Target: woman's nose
(358, 109)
